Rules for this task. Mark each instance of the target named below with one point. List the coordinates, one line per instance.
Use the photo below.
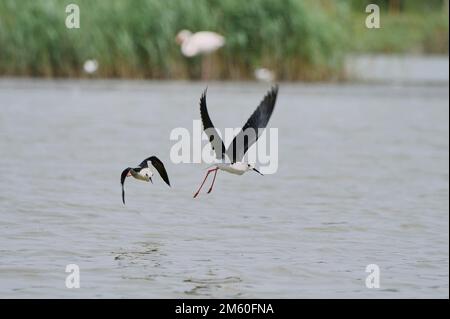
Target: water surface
(363, 178)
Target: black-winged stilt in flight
(144, 173)
(248, 135)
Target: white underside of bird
(144, 174)
(237, 168)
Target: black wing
(159, 167)
(253, 128)
(211, 132)
(122, 181)
(144, 163)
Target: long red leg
(196, 194)
(214, 179)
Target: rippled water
(363, 179)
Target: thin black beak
(150, 179)
(258, 171)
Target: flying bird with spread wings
(144, 172)
(248, 135)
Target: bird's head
(148, 177)
(182, 36)
(251, 167)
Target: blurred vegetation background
(297, 39)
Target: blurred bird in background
(90, 66)
(200, 43)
